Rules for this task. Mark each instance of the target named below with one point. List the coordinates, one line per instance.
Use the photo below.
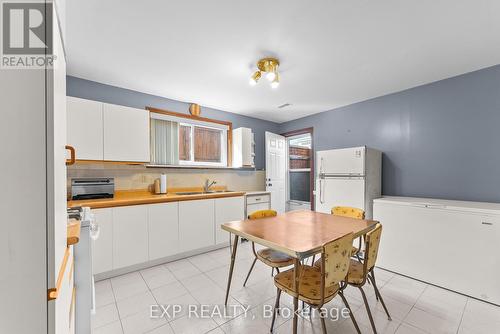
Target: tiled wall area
(140, 177)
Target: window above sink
(189, 141)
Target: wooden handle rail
(72, 159)
(54, 292)
(73, 234)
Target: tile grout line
(189, 292)
(462, 317)
(413, 306)
(116, 305)
(154, 297)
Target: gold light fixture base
(268, 64)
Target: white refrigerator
(348, 177)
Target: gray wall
(440, 140)
(92, 90)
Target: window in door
(299, 171)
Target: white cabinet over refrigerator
(348, 177)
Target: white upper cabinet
(102, 131)
(126, 134)
(84, 128)
(243, 148)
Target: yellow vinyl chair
(350, 212)
(319, 285)
(362, 272)
(347, 211)
(272, 258)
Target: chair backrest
(372, 242)
(347, 211)
(262, 214)
(336, 256)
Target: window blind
(164, 142)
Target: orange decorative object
(195, 109)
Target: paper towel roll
(163, 183)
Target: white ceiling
(332, 53)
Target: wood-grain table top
(300, 233)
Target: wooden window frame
(229, 125)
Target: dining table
(299, 234)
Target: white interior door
(340, 192)
(276, 170)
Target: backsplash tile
(140, 177)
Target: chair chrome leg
(272, 272)
(351, 315)
(371, 279)
(250, 271)
(323, 325)
(368, 310)
(276, 308)
(379, 296)
(231, 267)
(277, 270)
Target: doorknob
(270, 185)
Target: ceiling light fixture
(276, 81)
(255, 77)
(269, 66)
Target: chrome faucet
(208, 184)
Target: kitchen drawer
(258, 206)
(254, 199)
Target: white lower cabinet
(102, 249)
(196, 224)
(130, 235)
(163, 230)
(226, 210)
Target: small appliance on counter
(92, 188)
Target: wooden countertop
(138, 197)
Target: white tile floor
(123, 303)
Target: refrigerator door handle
(321, 191)
(333, 175)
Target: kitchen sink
(190, 193)
(217, 191)
(202, 192)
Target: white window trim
(210, 125)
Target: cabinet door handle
(487, 223)
(72, 159)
